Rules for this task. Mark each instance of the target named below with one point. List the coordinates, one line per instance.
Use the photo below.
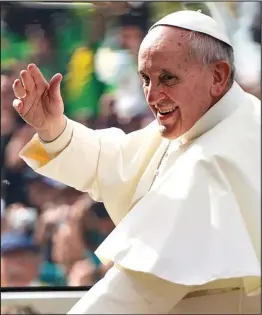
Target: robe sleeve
(71, 159)
(105, 163)
(57, 146)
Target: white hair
(208, 50)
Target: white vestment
(199, 223)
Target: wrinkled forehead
(164, 44)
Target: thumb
(54, 86)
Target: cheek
(193, 90)
(180, 94)
(149, 92)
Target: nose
(154, 95)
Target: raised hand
(40, 103)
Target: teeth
(166, 111)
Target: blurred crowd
(49, 231)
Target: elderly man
(184, 192)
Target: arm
(71, 158)
(105, 163)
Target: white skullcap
(195, 21)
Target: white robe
(200, 221)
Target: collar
(229, 103)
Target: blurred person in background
(14, 134)
(247, 43)
(83, 273)
(45, 228)
(20, 218)
(19, 310)
(20, 260)
(104, 224)
(83, 88)
(83, 37)
(242, 20)
(29, 32)
(74, 241)
(68, 234)
(40, 47)
(124, 105)
(95, 236)
(42, 193)
(8, 119)
(14, 49)
(12, 168)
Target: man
(184, 192)
(20, 260)
(124, 101)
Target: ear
(221, 77)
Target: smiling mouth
(166, 113)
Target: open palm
(38, 102)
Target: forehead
(164, 46)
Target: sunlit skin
(172, 79)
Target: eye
(168, 79)
(145, 80)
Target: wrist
(53, 131)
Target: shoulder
(236, 135)
(230, 151)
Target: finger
(39, 80)
(18, 105)
(18, 89)
(27, 80)
(54, 90)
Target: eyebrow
(169, 72)
(142, 73)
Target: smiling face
(178, 88)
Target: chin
(167, 133)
